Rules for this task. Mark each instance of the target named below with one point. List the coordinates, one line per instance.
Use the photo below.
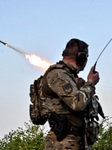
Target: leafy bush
(31, 138)
(105, 137)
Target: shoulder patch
(67, 88)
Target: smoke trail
(21, 52)
(33, 59)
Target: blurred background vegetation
(33, 138)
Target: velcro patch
(67, 88)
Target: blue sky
(44, 28)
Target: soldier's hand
(93, 77)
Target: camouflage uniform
(67, 95)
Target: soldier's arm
(60, 82)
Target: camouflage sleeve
(60, 82)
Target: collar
(70, 67)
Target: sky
(43, 28)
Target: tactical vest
(43, 105)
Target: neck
(73, 63)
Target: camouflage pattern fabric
(65, 86)
(71, 142)
(70, 93)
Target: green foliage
(30, 138)
(105, 136)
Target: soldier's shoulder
(56, 68)
(55, 71)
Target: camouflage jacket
(65, 93)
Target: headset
(81, 56)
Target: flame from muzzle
(33, 59)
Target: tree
(105, 136)
(33, 138)
(30, 138)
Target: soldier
(68, 99)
